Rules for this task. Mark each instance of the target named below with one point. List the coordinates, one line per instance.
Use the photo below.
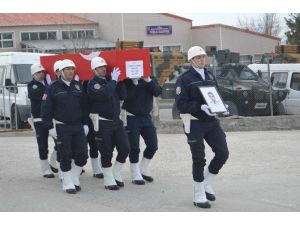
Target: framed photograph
(213, 99)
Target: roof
(237, 29)
(44, 45)
(36, 19)
(177, 17)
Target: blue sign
(160, 29)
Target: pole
(270, 89)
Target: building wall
(134, 28)
(234, 40)
(59, 28)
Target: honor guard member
(64, 113)
(36, 89)
(104, 98)
(138, 105)
(93, 147)
(201, 125)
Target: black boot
(210, 197)
(71, 191)
(99, 175)
(148, 178)
(54, 170)
(49, 175)
(112, 187)
(202, 204)
(119, 183)
(77, 188)
(138, 182)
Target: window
(6, 40)
(247, 74)
(33, 36)
(279, 79)
(295, 82)
(175, 48)
(77, 34)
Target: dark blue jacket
(139, 100)
(104, 97)
(36, 91)
(188, 97)
(64, 103)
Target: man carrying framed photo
(200, 123)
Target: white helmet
(97, 62)
(56, 65)
(36, 68)
(195, 51)
(66, 63)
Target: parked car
(283, 77)
(14, 76)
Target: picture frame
(213, 99)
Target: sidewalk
(262, 174)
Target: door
(292, 101)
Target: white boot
(144, 167)
(199, 195)
(46, 171)
(208, 179)
(136, 174)
(109, 180)
(52, 162)
(59, 170)
(117, 173)
(67, 182)
(76, 171)
(97, 170)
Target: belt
(58, 122)
(102, 118)
(129, 114)
(37, 120)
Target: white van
(14, 76)
(283, 76)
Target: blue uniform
(138, 104)
(36, 90)
(67, 106)
(204, 127)
(104, 97)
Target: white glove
(76, 77)
(86, 129)
(147, 79)
(48, 79)
(52, 133)
(206, 108)
(135, 81)
(227, 112)
(115, 74)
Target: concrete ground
(262, 174)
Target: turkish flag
(131, 61)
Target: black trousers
(215, 137)
(56, 149)
(93, 147)
(71, 142)
(42, 139)
(141, 126)
(112, 134)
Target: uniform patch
(77, 87)
(34, 87)
(44, 97)
(97, 86)
(178, 90)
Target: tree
(268, 23)
(293, 23)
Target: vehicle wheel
(175, 112)
(233, 109)
(14, 122)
